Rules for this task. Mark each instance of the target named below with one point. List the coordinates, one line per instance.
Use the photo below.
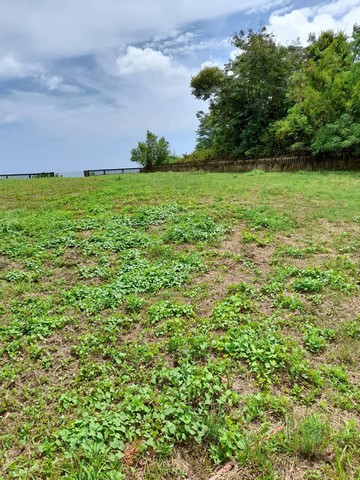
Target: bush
(151, 152)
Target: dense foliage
(153, 151)
(276, 99)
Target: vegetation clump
(170, 322)
(272, 99)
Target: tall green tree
(206, 85)
(247, 96)
(325, 97)
(153, 151)
(275, 99)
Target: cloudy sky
(82, 80)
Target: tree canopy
(276, 99)
(153, 151)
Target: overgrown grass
(159, 326)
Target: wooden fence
(273, 164)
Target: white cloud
(51, 82)
(10, 67)
(212, 63)
(147, 99)
(235, 53)
(140, 60)
(183, 43)
(339, 8)
(263, 7)
(69, 28)
(112, 96)
(338, 15)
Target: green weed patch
(166, 326)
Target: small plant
(249, 237)
(313, 280)
(290, 302)
(311, 437)
(317, 248)
(255, 173)
(36, 327)
(264, 217)
(258, 404)
(134, 303)
(307, 285)
(148, 215)
(241, 287)
(160, 311)
(301, 371)
(272, 288)
(288, 251)
(338, 376)
(348, 436)
(192, 228)
(231, 311)
(260, 346)
(91, 464)
(173, 325)
(353, 328)
(94, 272)
(316, 338)
(17, 276)
(314, 474)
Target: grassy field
(180, 326)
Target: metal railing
(28, 175)
(111, 171)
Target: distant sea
(71, 174)
(67, 174)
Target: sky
(82, 80)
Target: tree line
(273, 99)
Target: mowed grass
(180, 326)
